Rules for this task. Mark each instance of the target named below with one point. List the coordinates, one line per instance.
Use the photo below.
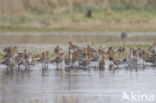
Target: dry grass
(55, 6)
(76, 21)
(69, 15)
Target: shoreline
(77, 37)
(79, 33)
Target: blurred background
(77, 15)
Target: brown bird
(59, 59)
(44, 59)
(73, 46)
(102, 61)
(57, 49)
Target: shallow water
(78, 37)
(75, 85)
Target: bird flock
(82, 57)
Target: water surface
(75, 85)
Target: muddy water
(76, 85)
(35, 38)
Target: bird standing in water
(102, 61)
(10, 61)
(121, 50)
(27, 59)
(59, 60)
(73, 46)
(68, 57)
(57, 50)
(44, 59)
(75, 59)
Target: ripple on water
(74, 85)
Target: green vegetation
(76, 21)
(69, 15)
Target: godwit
(44, 59)
(140, 52)
(68, 57)
(75, 59)
(59, 60)
(102, 61)
(110, 53)
(27, 59)
(121, 50)
(73, 46)
(10, 64)
(100, 50)
(10, 61)
(82, 54)
(7, 50)
(149, 58)
(24, 59)
(90, 49)
(94, 60)
(13, 52)
(11, 55)
(132, 57)
(153, 49)
(57, 49)
(115, 62)
(94, 57)
(72, 59)
(112, 59)
(85, 61)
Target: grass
(124, 20)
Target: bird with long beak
(121, 50)
(24, 59)
(110, 53)
(153, 49)
(84, 62)
(44, 59)
(75, 59)
(10, 61)
(132, 57)
(27, 59)
(25, 53)
(8, 50)
(68, 57)
(84, 53)
(90, 49)
(73, 46)
(100, 50)
(59, 61)
(102, 61)
(57, 49)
